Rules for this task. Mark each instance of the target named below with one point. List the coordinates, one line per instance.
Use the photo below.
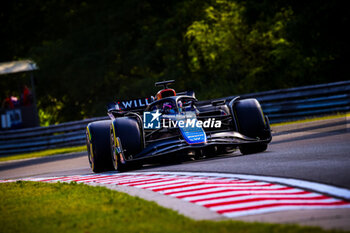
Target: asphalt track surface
(314, 151)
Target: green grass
(310, 119)
(44, 153)
(60, 207)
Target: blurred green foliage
(93, 52)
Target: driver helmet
(168, 108)
(180, 106)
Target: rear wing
(164, 83)
(130, 105)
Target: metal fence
(280, 105)
(40, 138)
(301, 102)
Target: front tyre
(98, 146)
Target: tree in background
(91, 53)
(235, 55)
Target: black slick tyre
(98, 146)
(126, 142)
(252, 123)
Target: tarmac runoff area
(219, 196)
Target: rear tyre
(126, 141)
(252, 123)
(98, 146)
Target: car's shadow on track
(188, 161)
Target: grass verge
(61, 207)
(44, 153)
(310, 119)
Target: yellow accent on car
(116, 143)
(91, 150)
(92, 156)
(88, 130)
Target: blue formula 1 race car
(174, 125)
